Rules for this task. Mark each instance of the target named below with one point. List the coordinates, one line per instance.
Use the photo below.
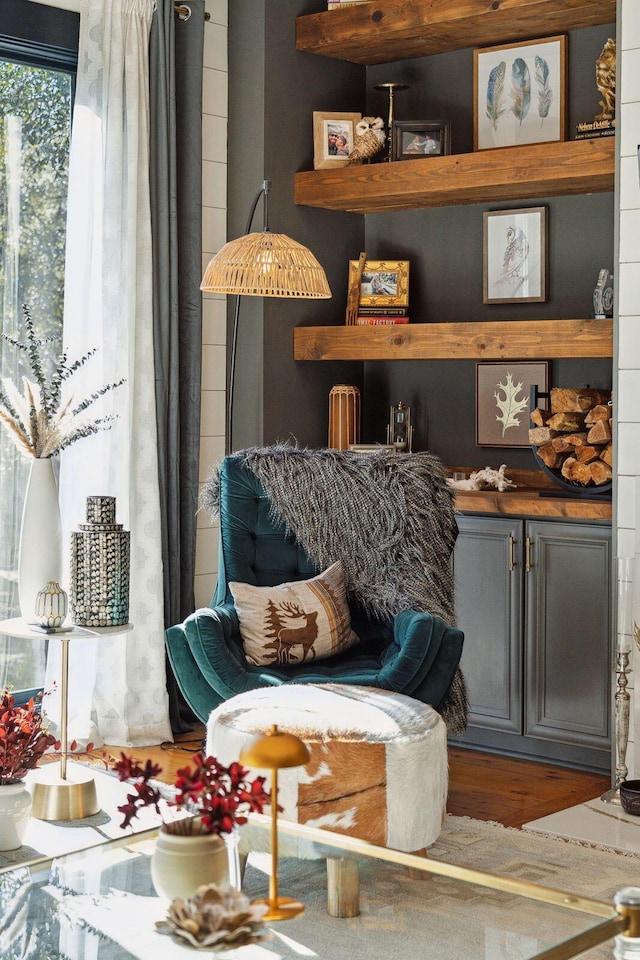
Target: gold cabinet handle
(512, 561)
(527, 554)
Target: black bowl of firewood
(570, 436)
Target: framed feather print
(520, 93)
(515, 255)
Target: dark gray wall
(444, 246)
(271, 137)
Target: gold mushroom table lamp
(274, 751)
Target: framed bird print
(515, 255)
(520, 93)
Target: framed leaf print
(520, 93)
(502, 401)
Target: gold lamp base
(55, 797)
(284, 908)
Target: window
(36, 97)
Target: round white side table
(60, 793)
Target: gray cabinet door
(488, 584)
(568, 633)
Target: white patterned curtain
(117, 684)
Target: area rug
(441, 918)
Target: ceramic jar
(100, 567)
(51, 605)
(181, 863)
(15, 811)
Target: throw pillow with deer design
(295, 622)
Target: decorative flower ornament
(37, 420)
(215, 918)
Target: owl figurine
(369, 139)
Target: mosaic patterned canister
(100, 568)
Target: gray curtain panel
(176, 52)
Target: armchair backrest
(253, 547)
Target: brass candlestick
(275, 751)
(391, 89)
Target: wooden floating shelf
(487, 176)
(482, 340)
(386, 30)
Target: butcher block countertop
(535, 495)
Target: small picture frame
(503, 399)
(515, 255)
(384, 283)
(413, 139)
(333, 135)
(520, 93)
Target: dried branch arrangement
(37, 420)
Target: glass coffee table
(100, 903)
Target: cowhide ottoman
(378, 768)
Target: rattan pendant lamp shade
(266, 265)
(261, 265)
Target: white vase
(40, 556)
(15, 810)
(181, 863)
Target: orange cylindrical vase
(344, 416)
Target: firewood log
(550, 457)
(562, 445)
(600, 432)
(540, 417)
(607, 454)
(600, 472)
(540, 435)
(600, 412)
(580, 472)
(576, 439)
(566, 422)
(587, 453)
(565, 399)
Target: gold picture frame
(520, 93)
(384, 283)
(328, 153)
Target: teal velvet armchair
(414, 653)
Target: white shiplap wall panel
(214, 313)
(627, 519)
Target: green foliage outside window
(35, 130)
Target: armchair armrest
(423, 657)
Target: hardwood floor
(481, 785)
(512, 792)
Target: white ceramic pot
(180, 863)
(51, 605)
(40, 556)
(15, 811)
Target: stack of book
(332, 4)
(374, 316)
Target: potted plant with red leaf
(210, 800)
(24, 738)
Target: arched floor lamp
(274, 751)
(262, 265)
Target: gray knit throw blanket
(389, 517)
